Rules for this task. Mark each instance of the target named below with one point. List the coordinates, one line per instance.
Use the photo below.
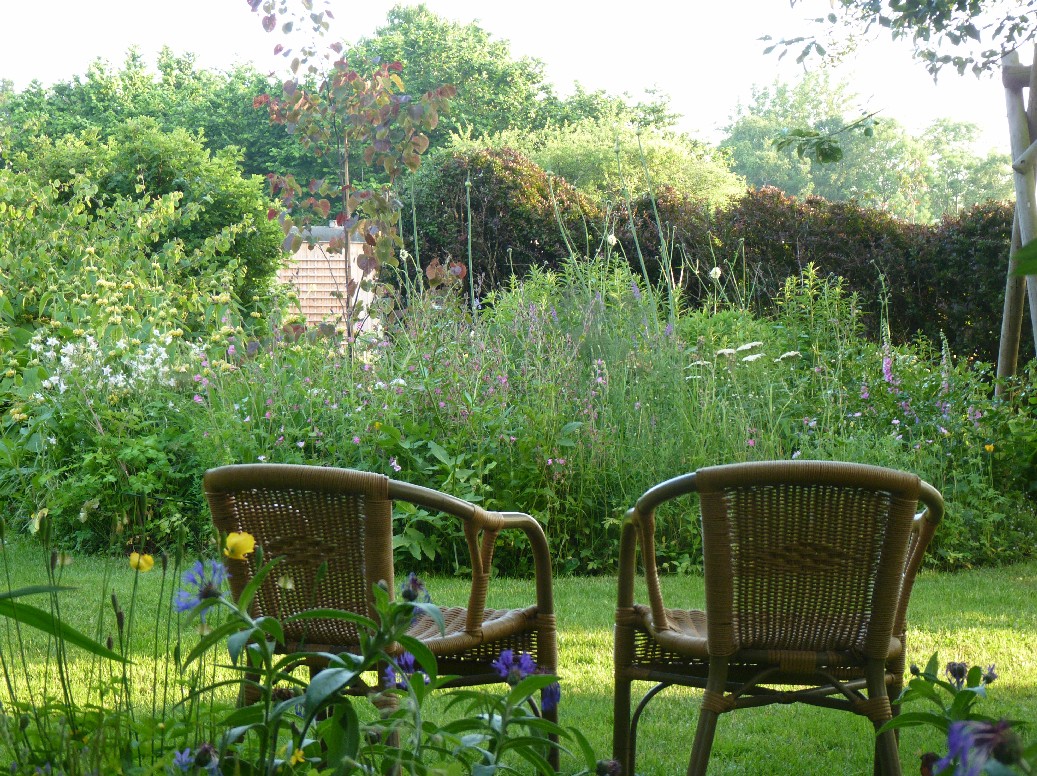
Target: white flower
(715, 273)
(53, 342)
(726, 352)
(748, 346)
(788, 354)
(699, 363)
(611, 240)
(753, 357)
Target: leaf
(269, 22)
(342, 737)
(48, 623)
(1026, 260)
(323, 688)
(914, 719)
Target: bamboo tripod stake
(1022, 127)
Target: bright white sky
(706, 55)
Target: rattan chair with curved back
(311, 515)
(808, 570)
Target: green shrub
(140, 161)
(521, 218)
(911, 274)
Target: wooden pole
(1025, 219)
(1031, 123)
(1012, 317)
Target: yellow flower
(239, 544)
(297, 757)
(988, 448)
(141, 562)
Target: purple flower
(408, 667)
(201, 582)
(550, 696)
(413, 589)
(887, 369)
(511, 671)
(183, 760)
(970, 744)
(208, 759)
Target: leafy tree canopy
(140, 161)
(918, 178)
(218, 106)
(965, 34)
(602, 157)
(496, 91)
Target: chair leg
(551, 715)
(887, 752)
(621, 726)
(708, 716)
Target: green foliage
(602, 157)
(216, 107)
(139, 161)
(521, 217)
(876, 163)
(95, 301)
(976, 743)
(909, 271)
(570, 394)
(966, 35)
(496, 91)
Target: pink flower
(751, 442)
(395, 466)
(198, 399)
(356, 440)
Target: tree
(952, 32)
(496, 91)
(336, 110)
(141, 162)
(607, 159)
(884, 167)
(957, 178)
(965, 34)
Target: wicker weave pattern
(312, 517)
(808, 569)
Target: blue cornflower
(408, 667)
(972, 743)
(183, 760)
(511, 671)
(201, 582)
(413, 589)
(208, 759)
(550, 696)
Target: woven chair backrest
(804, 556)
(330, 528)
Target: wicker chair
(312, 515)
(808, 571)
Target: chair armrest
(490, 524)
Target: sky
(705, 55)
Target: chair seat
(686, 636)
(463, 652)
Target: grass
(979, 616)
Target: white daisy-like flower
(715, 273)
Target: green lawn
(981, 616)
